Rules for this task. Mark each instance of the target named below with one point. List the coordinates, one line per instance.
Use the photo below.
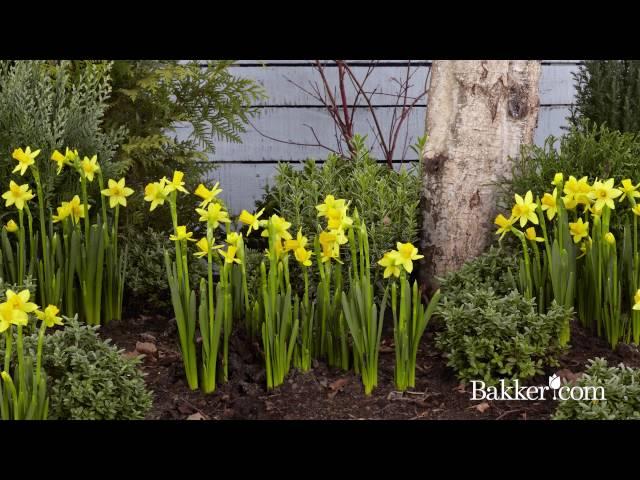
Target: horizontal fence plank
(551, 121)
(288, 124)
(286, 85)
(557, 84)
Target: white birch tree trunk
(479, 114)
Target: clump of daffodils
(578, 213)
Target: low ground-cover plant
(489, 337)
(621, 386)
(493, 269)
(88, 377)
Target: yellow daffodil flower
(604, 194)
(175, 184)
(63, 212)
(505, 224)
(558, 178)
(337, 218)
(230, 255)
(280, 226)
(25, 159)
(391, 262)
(636, 299)
(11, 226)
(303, 256)
(181, 234)
(89, 167)
(117, 193)
(549, 204)
(17, 195)
(329, 202)
(203, 247)
(207, 195)
(530, 233)
(156, 193)
(11, 316)
(579, 230)
(67, 159)
(577, 191)
(251, 220)
(214, 215)
(233, 238)
(629, 190)
(49, 316)
(406, 254)
(609, 238)
(20, 301)
(636, 210)
(330, 246)
(525, 209)
(76, 209)
(299, 242)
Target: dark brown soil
(325, 393)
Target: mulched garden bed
(325, 393)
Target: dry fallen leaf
(461, 388)
(482, 407)
(337, 386)
(196, 416)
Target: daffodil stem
(102, 199)
(8, 348)
(43, 327)
(32, 247)
(85, 202)
(45, 293)
(21, 248)
(20, 351)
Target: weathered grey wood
(556, 83)
(288, 124)
(551, 121)
(280, 83)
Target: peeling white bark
(479, 114)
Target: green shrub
(175, 112)
(52, 105)
(88, 378)
(387, 200)
(621, 392)
(592, 151)
(488, 336)
(493, 269)
(608, 92)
